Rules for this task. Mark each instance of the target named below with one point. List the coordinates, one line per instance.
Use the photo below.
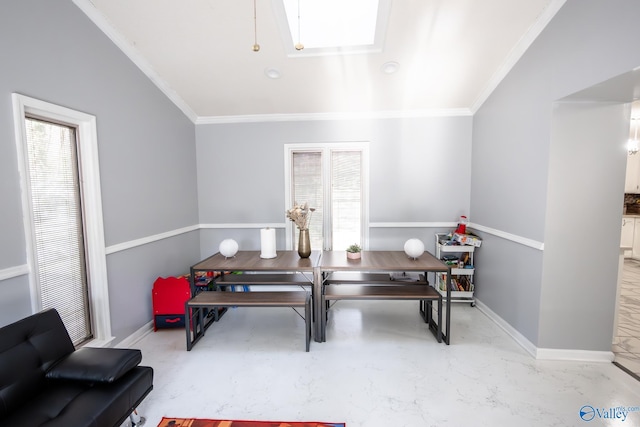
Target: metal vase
(304, 244)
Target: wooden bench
(196, 308)
(360, 286)
(230, 281)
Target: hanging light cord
(632, 144)
(298, 21)
(256, 46)
(299, 46)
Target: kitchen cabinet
(627, 236)
(632, 179)
(636, 238)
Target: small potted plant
(353, 251)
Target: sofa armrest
(95, 364)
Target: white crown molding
(508, 236)
(243, 225)
(504, 235)
(230, 226)
(132, 53)
(21, 270)
(16, 271)
(149, 239)
(518, 50)
(411, 224)
(371, 115)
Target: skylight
(334, 26)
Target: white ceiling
(451, 55)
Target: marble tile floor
(379, 367)
(626, 341)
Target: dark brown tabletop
(380, 261)
(288, 261)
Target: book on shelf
(458, 283)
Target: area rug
(197, 422)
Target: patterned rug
(195, 422)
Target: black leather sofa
(45, 381)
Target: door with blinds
(59, 261)
(332, 179)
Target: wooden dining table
(378, 262)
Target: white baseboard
(132, 339)
(528, 346)
(574, 355)
(544, 353)
(510, 330)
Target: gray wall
(52, 51)
(422, 170)
(419, 172)
(580, 266)
(515, 163)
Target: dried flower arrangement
(300, 215)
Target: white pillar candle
(268, 243)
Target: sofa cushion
(28, 348)
(95, 364)
(63, 403)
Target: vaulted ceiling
(450, 54)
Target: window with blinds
(56, 208)
(330, 179)
(346, 199)
(308, 188)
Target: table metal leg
(440, 319)
(187, 326)
(318, 312)
(447, 337)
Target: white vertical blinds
(346, 198)
(308, 187)
(330, 181)
(60, 267)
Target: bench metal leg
(307, 321)
(323, 318)
(197, 322)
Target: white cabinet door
(636, 238)
(626, 236)
(632, 180)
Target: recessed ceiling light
(390, 67)
(272, 73)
